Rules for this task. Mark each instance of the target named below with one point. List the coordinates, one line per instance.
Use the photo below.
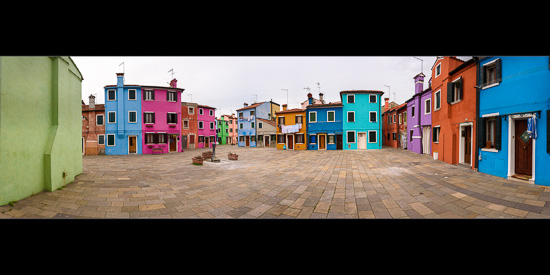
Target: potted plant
(198, 160)
(207, 154)
(232, 156)
(488, 144)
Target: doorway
(322, 142)
(523, 149)
(338, 141)
(266, 141)
(206, 142)
(465, 146)
(132, 145)
(247, 138)
(426, 140)
(184, 142)
(173, 144)
(361, 141)
(290, 142)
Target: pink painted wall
(160, 106)
(233, 134)
(206, 118)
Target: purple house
(419, 117)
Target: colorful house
(93, 127)
(513, 122)
(247, 120)
(206, 121)
(123, 130)
(232, 127)
(189, 125)
(419, 117)
(222, 131)
(393, 126)
(324, 127)
(40, 125)
(362, 119)
(267, 133)
(291, 129)
(161, 107)
(402, 125)
(453, 110)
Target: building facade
(393, 125)
(513, 121)
(291, 129)
(247, 122)
(40, 125)
(419, 118)
(324, 126)
(232, 127)
(267, 133)
(93, 127)
(189, 125)
(362, 119)
(222, 131)
(206, 126)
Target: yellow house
(291, 129)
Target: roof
(146, 86)
(251, 106)
(270, 122)
(395, 108)
(463, 65)
(205, 106)
(295, 110)
(330, 104)
(360, 92)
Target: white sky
(226, 82)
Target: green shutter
(498, 123)
(481, 134)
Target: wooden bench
(157, 151)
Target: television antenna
(172, 70)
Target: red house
(93, 127)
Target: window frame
(348, 97)
(333, 116)
(148, 95)
(168, 97)
(375, 98)
(102, 120)
(375, 135)
(130, 116)
(309, 117)
(200, 125)
(434, 135)
(354, 137)
(135, 94)
(109, 117)
(375, 116)
(347, 116)
(152, 117)
(98, 140)
(108, 97)
(114, 140)
(426, 106)
(175, 121)
(436, 100)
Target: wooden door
(206, 141)
(426, 141)
(132, 146)
(290, 142)
(523, 150)
(338, 142)
(467, 144)
(247, 138)
(322, 142)
(173, 146)
(266, 141)
(361, 140)
(184, 142)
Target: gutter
(478, 89)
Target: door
(339, 142)
(322, 145)
(290, 142)
(206, 141)
(132, 145)
(266, 140)
(467, 144)
(361, 140)
(426, 140)
(523, 150)
(184, 141)
(83, 148)
(173, 144)
(247, 138)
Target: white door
(426, 140)
(361, 140)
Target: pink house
(206, 126)
(161, 110)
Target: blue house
(248, 123)
(513, 124)
(324, 126)
(123, 131)
(362, 119)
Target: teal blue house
(362, 119)
(513, 128)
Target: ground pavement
(270, 183)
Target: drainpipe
(476, 62)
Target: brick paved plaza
(270, 183)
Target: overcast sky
(227, 82)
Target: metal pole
(421, 64)
(286, 96)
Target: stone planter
(207, 154)
(233, 157)
(198, 161)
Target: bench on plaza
(157, 151)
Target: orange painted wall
(450, 116)
(290, 119)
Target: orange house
(453, 110)
(290, 134)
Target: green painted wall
(222, 126)
(40, 125)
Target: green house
(40, 125)
(222, 131)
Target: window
(186, 124)
(330, 116)
(351, 98)
(372, 98)
(212, 138)
(230, 130)
(405, 117)
(372, 116)
(171, 118)
(411, 135)
(454, 91)
(280, 138)
(351, 116)
(241, 115)
(351, 136)
(99, 120)
(312, 139)
(111, 117)
(330, 139)
(298, 119)
(191, 110)
(400, 119)
(427, 106)
(201, 125)
(252, 124)
(240, 125)
(161, 137)
(252, 138)
(412, 111)
(200, 111)
(227, 131)
(101, 139)
(388, 136)
(438, 70)
(132, 94)
(281, 120)
(211, 112)
(201, 139)
(260, 125)
(437, 102)
(171, 96)
(300, 138)
(132, 116)
(212, 125)
(149, 95)
(149, 138)
(251, 112)
(312, 116)
(394, 136)
(491, 73)
(110, 140)
(490, 132)
(372, 137)
(111, 95)
(436, 131)
(149, 117)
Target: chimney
(310, 98)
(119, 79)
(419, 83)
(386, 104)
(174, 83)
(321, 98)
(284, 107)
(245, 104)
(91, 99)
